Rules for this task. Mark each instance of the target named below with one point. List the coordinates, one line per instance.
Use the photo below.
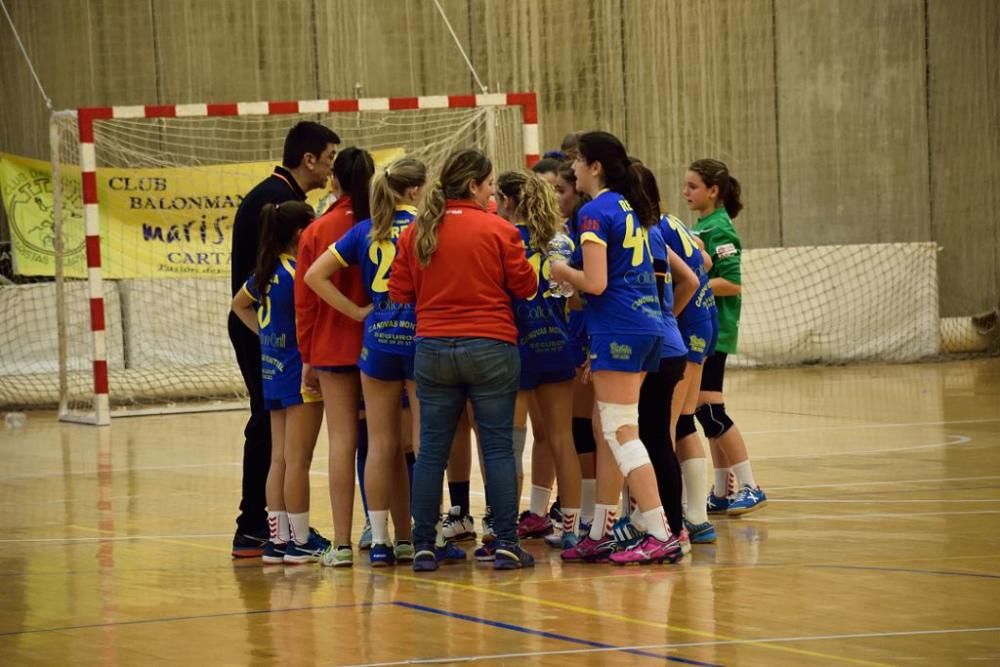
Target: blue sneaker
(512, 556)
(381, 555)
(748, 499)
(322, 540)
(250, 545)
(425, 560)
(274, 553)
(717, 504)
(703, 533)
(449, 553)
(487, 552)
(626, 533)
(309, 552)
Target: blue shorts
(627, 353)
(700, 339)
(290, 400)
(537, 369)
(386, 366)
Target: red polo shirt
(466, 290)
(326, 336)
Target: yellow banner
(155, 223)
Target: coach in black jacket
(305, 165)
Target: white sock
(695, 480)
(721, 482)
(277, 526)
(604, 518)
(588, 492)
(539, 500)
(656, 523)
(571, 520)
(379, 520)
(744, 475)
(638, 519)
(300, 526)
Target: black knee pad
(583, 436)
(685, 426)
(713, 419)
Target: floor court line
(885, 483)
(199, 617)
(812, 429)
(716, 568)
(862, 516)
(870, 501)
(630, 619)
(955, 441)
(905, 570)
(179, 466)
(195, 545)
(110, 538)
(579, 651)
(547, 635)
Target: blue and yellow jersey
(281, 363)
(390, 325)
(630, 303)
(673, 343)
(541, 318)
(680, 239)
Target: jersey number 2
(381, 253)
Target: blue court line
(170, 619)
(948, 573)
(549, 635)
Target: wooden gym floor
(880, 546)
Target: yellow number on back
(381, 253)
(264, 312)
(686, 240)
(635, 240)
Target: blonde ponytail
(460, 170)
(536, 205)
(388, 188)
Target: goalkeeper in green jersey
(712, 193)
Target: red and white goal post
(156, 256)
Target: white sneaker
(458, 528)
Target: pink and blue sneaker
(650, 550)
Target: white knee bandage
(614, 416)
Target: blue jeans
(449, 371)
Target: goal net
(135, 320)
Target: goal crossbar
(87, 117)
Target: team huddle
(421, 307)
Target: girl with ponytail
(626, 328)
(266, 305)
(386, 362)
(547, 363)
(331, 341)
(714, 194)
(459, 266)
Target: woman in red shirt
(460, 265)
(330, 342)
